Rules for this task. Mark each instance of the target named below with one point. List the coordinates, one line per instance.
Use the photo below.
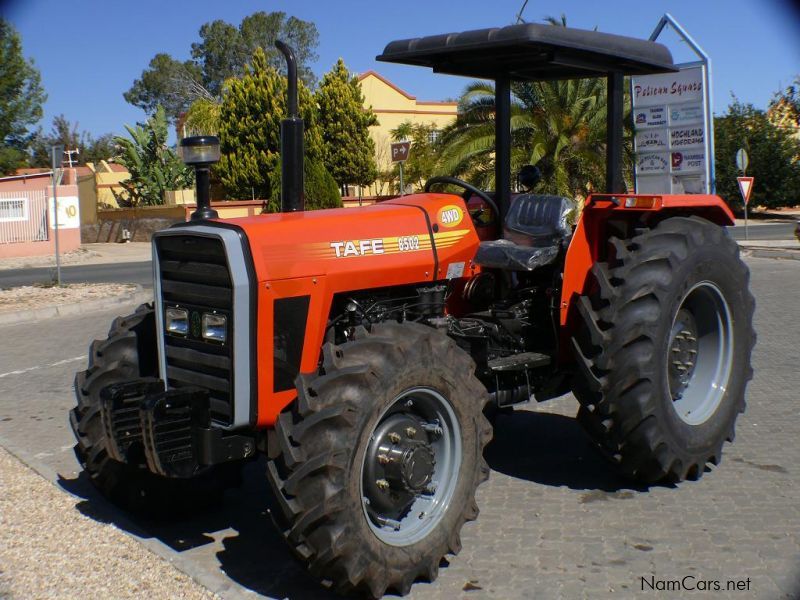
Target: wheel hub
(399, 464)
(699, 357)
(683, 349)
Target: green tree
(348, 149)
(249, 130)
(773, 157)
(202, 118)
(168, 83)
(423, 156)
(154, 167)
(64, 132)
(559, 126)
(222, 53)
(99, 148)
(21, 99)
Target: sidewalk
(88, 254)
(785, 249)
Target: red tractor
(362, 349)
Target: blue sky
(89, 52)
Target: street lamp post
(200, 152)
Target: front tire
(375, 466)
(128, 353)
(664, 350)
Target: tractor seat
(534, 232)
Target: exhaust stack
(292, 193)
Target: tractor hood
(412, 239)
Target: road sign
(745, 187)
(742, 160)
(400, 151)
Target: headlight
(215, 327)
(177, 321)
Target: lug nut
(410, 432)
(394, 437)
(383, 459)
(382, 484)
(433, 428)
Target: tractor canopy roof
(531, 52)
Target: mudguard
(589, 240)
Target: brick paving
(555, 521)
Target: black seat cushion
(505, 254)
(534, 232)
(538, 220)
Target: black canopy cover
(531, 52)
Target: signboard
(671, 145)
(742, 160)
(745, 187)
(400, 151)
(69, 214)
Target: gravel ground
(48, 549)
(76, 257)
(29, 297)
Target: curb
(139, 295)
(774, 253)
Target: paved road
(129, 272)
(765, 231)
(555, 522)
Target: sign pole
(746, 230)
(400, 155)
(742, 160)
(56, 156)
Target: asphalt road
(765, 231)
(129, 272)
(555, 521)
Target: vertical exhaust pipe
(292, 194)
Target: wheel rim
(410, 468)
(700, 353)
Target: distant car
(797, 230)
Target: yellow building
(97, 185)
(393, 106)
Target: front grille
(195, 276)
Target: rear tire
(664, 350)
(326, 451)
(128, 353)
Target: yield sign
(745, 187)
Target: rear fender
(605, 215)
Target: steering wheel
(469, 190)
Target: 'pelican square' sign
(669, 118)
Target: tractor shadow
(551, 449)
(236, 541)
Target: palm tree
(557, 125)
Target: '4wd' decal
(450, 215)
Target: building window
(433, 136)
(13, 209)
